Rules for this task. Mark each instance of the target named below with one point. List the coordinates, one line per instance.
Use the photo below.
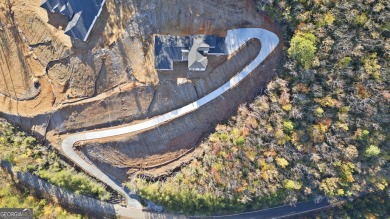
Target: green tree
(288, 126)
(330, 186)
(281, 162)
(371, 66)
(240, 141)
(319, 111)
(361, 19)
(344, 62)
(302, 48)
(372, 150)
(291, 185)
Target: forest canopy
(320, 130)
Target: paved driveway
(234, 40)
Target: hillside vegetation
(320, 130)
(12, 197)
(26, 154)
(374, 205)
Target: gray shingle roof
(219, 48)
(196, 61)
(82, 15)
(168, 49)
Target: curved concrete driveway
(234, 40)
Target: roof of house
(82, 15)
(209, 40)
(199, 63)
(195, 59)
(168, 49)
(219, 46)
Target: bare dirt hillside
(17, 64)
(36, 55)
(61, 85)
